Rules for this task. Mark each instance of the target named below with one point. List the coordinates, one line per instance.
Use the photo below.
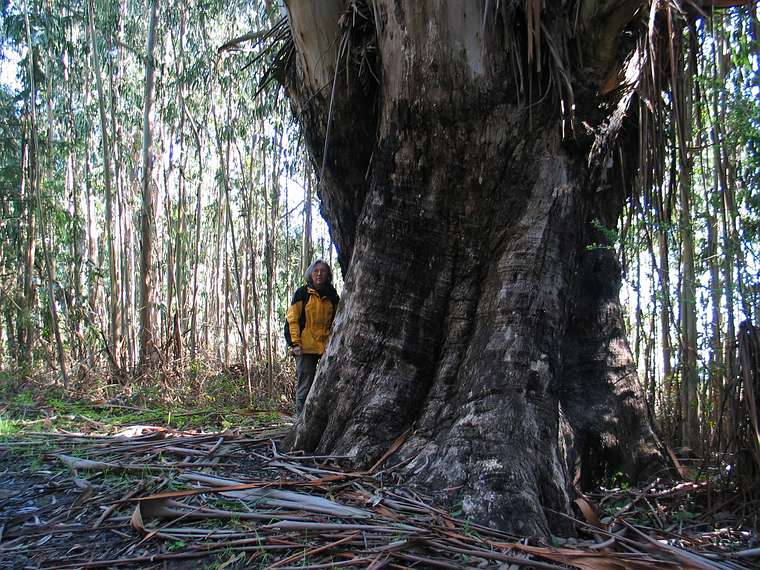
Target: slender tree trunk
(170, 232)
(655, 295)
(179, 278)
(241, 325)
(655, 390)
(690, 434)
(743, 287)
(712, 417)
(4, 341)
(73, 189)
(273, 253)
(148, 350)
(196, 252)
(13, 248)
(251, 228)
(114, 312)
(216, 275)
(124, 351)
(730, 356)
(664, 288)
(688, 324)
(226, 307)
(268, 264)
(179, 255)
(28, 300)
(36, 182)
(91, 246)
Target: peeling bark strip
(473, 312)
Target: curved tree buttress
(475, 320)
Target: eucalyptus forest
(543, 220)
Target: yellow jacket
(310, 318)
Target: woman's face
(319, 275)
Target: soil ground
(102, 494)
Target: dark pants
(306, 369)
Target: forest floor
(85, 486)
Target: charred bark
(336, 103)
(472, 308)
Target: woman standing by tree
(310, 318)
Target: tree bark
(180, 274)
(197, 240)
(114, 313)
(28, 298)
(36, 182)
(73, 190)
(461, 216)
(687, 298)
(148, 350)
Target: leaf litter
(155, 497)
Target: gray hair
(313, 266)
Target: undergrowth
(198, 397)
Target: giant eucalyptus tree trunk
(476, 323)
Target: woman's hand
(295, 350)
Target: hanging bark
(466, 265)
(148, 350)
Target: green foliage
(608, 237)
(176, 546)
(8, 427)
(723, 224)
(619, 480)
(683, 516)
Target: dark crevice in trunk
(354, 102)
(600, 392)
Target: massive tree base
(476, 321)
